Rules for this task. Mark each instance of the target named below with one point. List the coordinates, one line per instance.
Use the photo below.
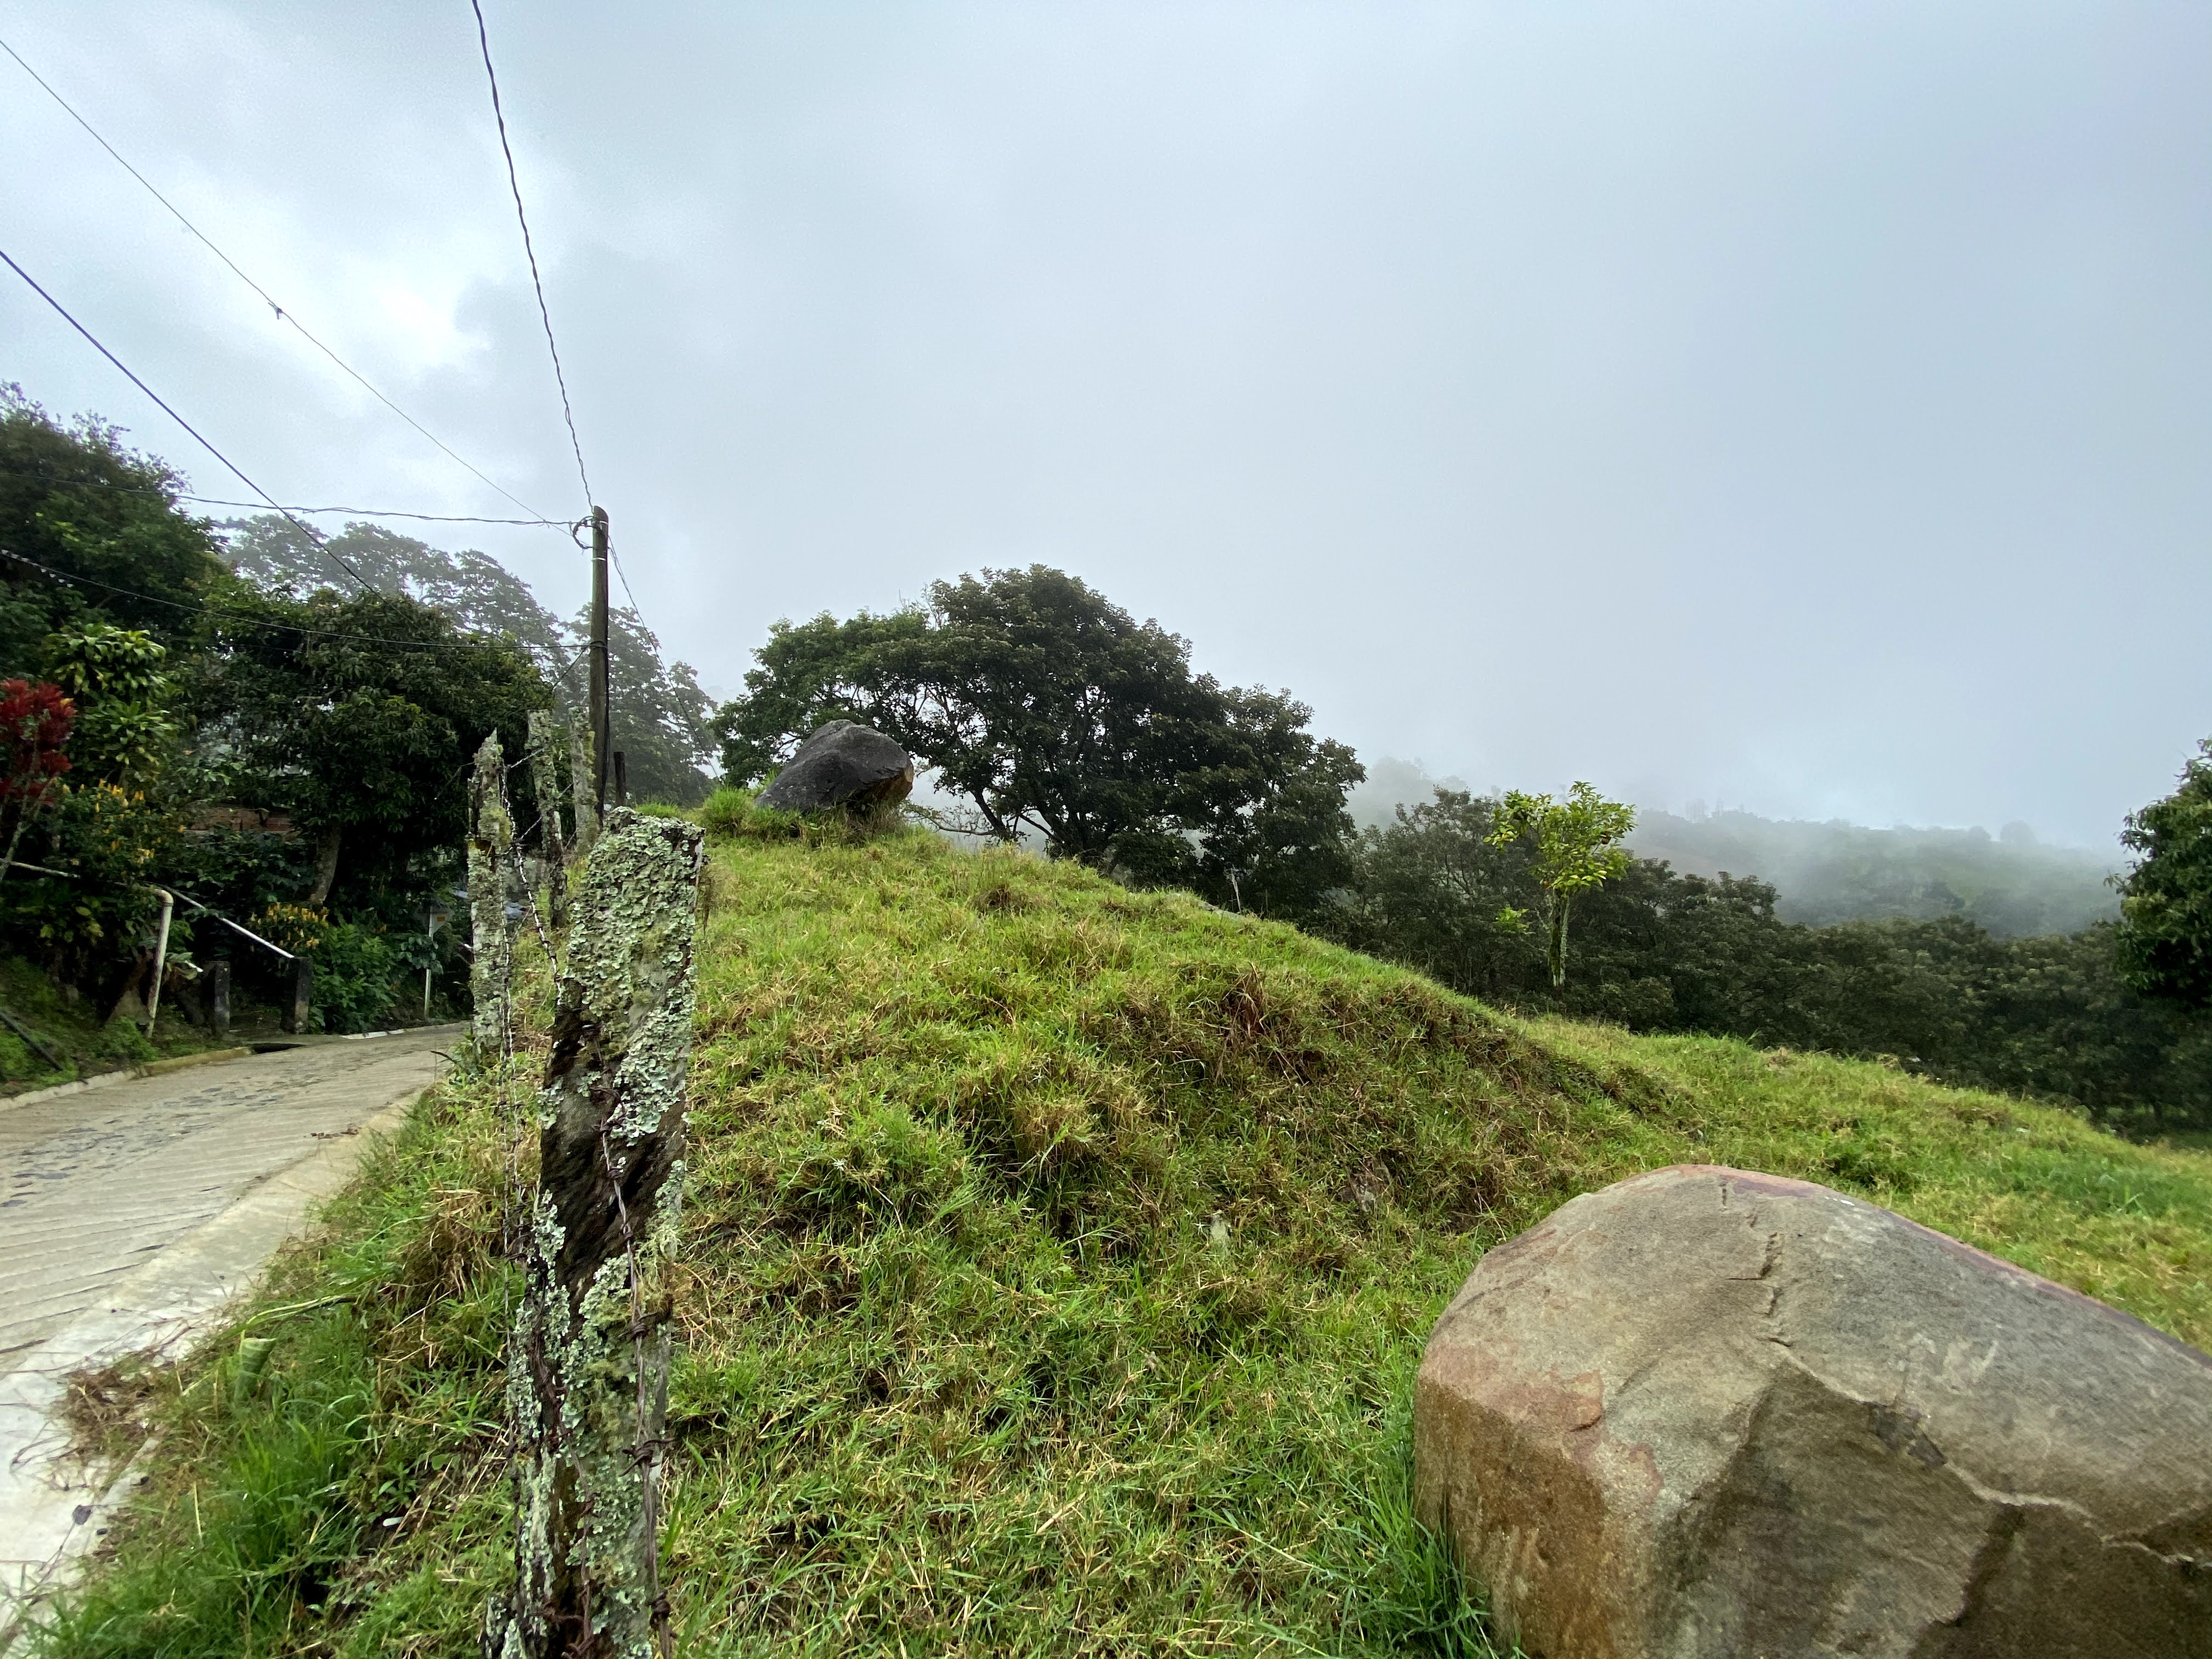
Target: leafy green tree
(660, 717)
(358, 715)
(115, 678)
(1057, 715)
(2165, 901)
(1576, 843)
(75, 500)
(1429, 888)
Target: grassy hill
(1057, 1260)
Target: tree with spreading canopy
(357, 715)
(74, 501)
(1057, 715)
(658, 712)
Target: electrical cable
(218, 500)
(240, 618)
(283, 314)
(64, 311)
(545, 316)
(390, 512)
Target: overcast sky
(1803, 407)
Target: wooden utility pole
(601, 731)
(587, 1370)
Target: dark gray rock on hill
(1711, 1415)
(842, 764)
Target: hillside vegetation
(1058, 1260)
(1824, 873)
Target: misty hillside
(1831, 873)
(2009, 883)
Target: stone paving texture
(132, 1213)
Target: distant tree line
(2051, 1015)
(2010, 882)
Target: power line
(284, 315)
(514, 184)
(119, 362)
(161, 494)
(628, 592)
(241, 619)
(387, 513)
(61, 482)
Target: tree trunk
(326, 866)
(491, 835)
(1559, 952)
(587, 1369)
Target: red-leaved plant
(35, 718)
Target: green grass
(1057, 1261)
(74, 1030)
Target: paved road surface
(129, 1211)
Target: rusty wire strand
(647, 1451)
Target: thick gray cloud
(1805, 408)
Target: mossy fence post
(581, 787)
(491, 838)
(587, 1371)
(547, 788)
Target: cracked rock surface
(1707, 1413)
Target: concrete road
(129, 1213)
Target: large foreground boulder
(1709, 1414)
(842, 764)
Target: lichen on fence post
(491, 836)
(547, 788)
(587, 1371)
(582, 787)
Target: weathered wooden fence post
(580, 774)
(547, 789)
(298, 1012)
(215, 998)
(587, 1376)
(491, 834)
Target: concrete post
(587, 1370)
(491, 835)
